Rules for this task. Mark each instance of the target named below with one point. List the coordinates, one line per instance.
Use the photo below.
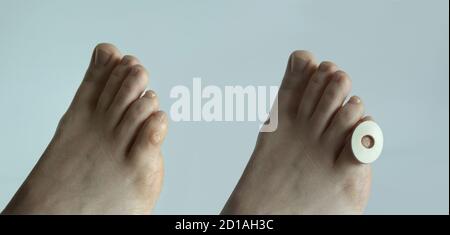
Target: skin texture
(105, 155)
(306, 166)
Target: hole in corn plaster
(367, 141)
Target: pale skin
(306, 166)
(105, 157)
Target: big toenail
(101, 57)
(297, 64)
(367, 141)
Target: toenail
(135, 70)
(355, 100)
(125, 60)
(323, 67)
(297, 64)
(337, 77)
(102, 57)
(151, 94)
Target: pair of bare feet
(105, 156)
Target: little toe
(314, 89)
(131, 89)
(346, 158)
(355, 176)
(342, 124)
(300, 67)
(139, 111)
(150, 137)
(115, 80)
(104, 58)
(331, 100)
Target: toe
(314, 89)
(115, 80)
(104, 58)
(356, 177)
(131, 89)
(346, 159)
(331, 100)
(150, 136)
(135, 116)
(300, 67)
(342, 124)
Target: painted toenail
(101, 57)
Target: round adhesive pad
(367, 152)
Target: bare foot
(105, 156)
(306, 166)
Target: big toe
(104, 58)
(300, 67)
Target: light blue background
(395, 50)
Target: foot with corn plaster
(105, 155)
(314, 163)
